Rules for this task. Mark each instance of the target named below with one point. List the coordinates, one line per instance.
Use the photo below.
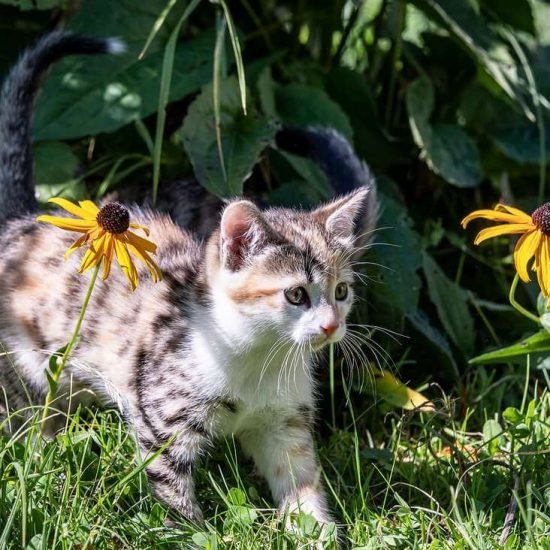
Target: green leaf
(318, 185)
(451, 304)
(420, 100)
(357, 98)
(89, 95)
(447, 149)
(54, 163)
(243, 515)
(483, 44)
(266, 91)
(517, 14)
(396, 258)
(421, 322)
(244, 137)
(202, 540)
(492, 432)
(236, 496)
(538, 343)
(300, 105)
(54, 362)
(512, 415)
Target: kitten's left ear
(352, 218)
(244, 232)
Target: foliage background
(446, 100)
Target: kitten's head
(288, 274)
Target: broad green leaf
(54, 162)
(88, 95)
(420, 103)
(301, 105)
(244, 137)
(317, 183)
(397, 394)
(266, 91)
(514, 136)
(357, 98)
(447, 149)
(421, 322)
(538, 343)
(395, 258)
(451, 305)
(473, 33)
(516, 14)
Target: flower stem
(519, 307)
(68, 348)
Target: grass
(417, 480)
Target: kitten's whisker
(373, 328)
(279, 343)
(358, 342)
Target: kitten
(225, 344)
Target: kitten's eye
(297, 295)
(341, 292)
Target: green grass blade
(165, 82)
(218, 53)
(157, 26)
(236, 52)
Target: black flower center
(541, 218)
(114, 218)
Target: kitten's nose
(329, 328)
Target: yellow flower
(533, 243)
(105, 232)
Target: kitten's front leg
(170, 474)
(284, 453)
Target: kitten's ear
(244, 231)
(352, 218)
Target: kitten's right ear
(244, 232)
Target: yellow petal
(68, 223)
(91, 209)
(525, 249)
(140, 242)
(543, 265)
(126, 262)
(81, 241)
(497, 230)
(142, 227)
(495, 216)
(526, 218)
(108, 257)
(93, 255)
(70, 207)
(156, 273)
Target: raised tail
(17, 97)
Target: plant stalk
(518, 306)
(65, 357)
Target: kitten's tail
(16, 105)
